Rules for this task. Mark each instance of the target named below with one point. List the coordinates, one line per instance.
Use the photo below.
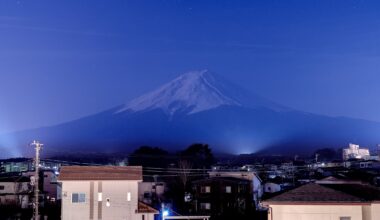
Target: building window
(205, 189)
(108, 202)
(142, 217)
(129, 196)
(205, 206)
(345, 218)
(78, 198)
(2, 187)
(228, 189)
(100, 197)
(242, 189)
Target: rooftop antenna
(37, 146)
(295, 157)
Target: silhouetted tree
(147, 156)
(326, 154)
(185, 171)
(200, 155)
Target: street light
(164, 211)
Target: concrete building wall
(375, 211)
(315, 212)
(71, 211)
(120, 207)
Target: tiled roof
(144, 208)
(365, 192)
(313, 193)
(100, 173)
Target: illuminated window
(228, 189)
(205, 189)
(108, 203)
(100, 197)
(129, 197)
(205, 206)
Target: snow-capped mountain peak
(191, 92)
(194, 92)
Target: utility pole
(37, 146)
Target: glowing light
(165, 213)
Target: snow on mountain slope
(194, 92)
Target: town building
(152, 193)
(49, 185)
(102, 192)
(221, 196)
(355, 152)
(15, 191)
(227, 192)
(16, 165)
(326, 201)
(255, 181)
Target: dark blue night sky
(61, 60)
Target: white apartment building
(102, 192)
(355, 152)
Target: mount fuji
(199, 107)
(195, 92)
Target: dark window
(242, 188)
(345, 218)
(147, 195)
(2, 187)
(143, 217)
(78, 198)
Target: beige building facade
(103, 193)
